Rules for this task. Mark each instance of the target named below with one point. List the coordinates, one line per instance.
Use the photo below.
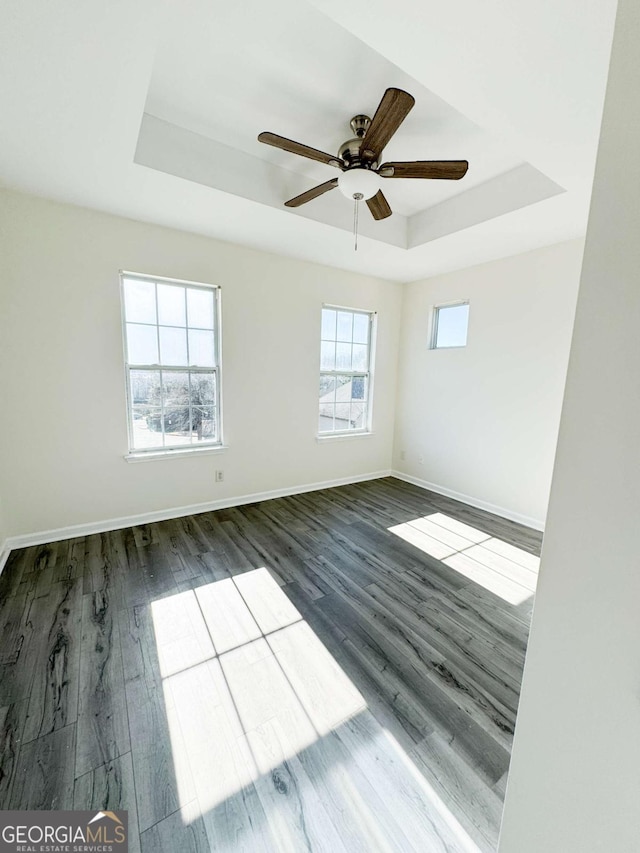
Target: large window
(345, 370)
(173, 363)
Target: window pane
(327, 388)
(146, 427)
(203, 389)
(452, 322)
(345, 326)
(342, 416)
(173, 346)
(360, 357)
(139, 301)
(335, 389)
(328, 325)
(175, 386)
(361, 328)
(201, 348)
(200, 308)
(203, 423)
(325, 418)
(327, 355)
(343, 356)
(177, 429)
(359, 388)
(358, 416)
(142, 344)
(145, 387)
(171, 305)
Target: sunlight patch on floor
(247, 684)
(499, 567)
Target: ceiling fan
(358, 158)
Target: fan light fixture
(358, 181)
(358, 159)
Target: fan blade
(303, 198)
(297, 148)
(379, 206)
(448, 170)
(392, 111)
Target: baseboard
(526, 520)
(5, 550)
(72, 532)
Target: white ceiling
(151, 111)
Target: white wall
(3, 530)
(484, 418)
(574, 785)
(63, 446)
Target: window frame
(216, 369)
(435, 311)
(368, 374)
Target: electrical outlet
(219, 476)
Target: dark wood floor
(299, 674)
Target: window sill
(152, 455)
(343, 436)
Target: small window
(450, 324)
(172, 362)
(345, 370)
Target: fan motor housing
(349, 151)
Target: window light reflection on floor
(499, 567)
(253, 700)
(241, 668)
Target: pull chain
(356, 198)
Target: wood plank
(453, 525)
(45, 772)
(110, 786)
(504, 566)
(152, 723)
(12, 719)
(297, 818)
(266, 601)
(183, 830)
(229, 620)
(362, 818)
(208, 709)
(413, 802)
(436, 531)
(322, 688)
(477, 808)
(498, 584)
(53, 698)
(103, 724)
(70, 559)
(516, 555)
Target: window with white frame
(172, 347)
(449, 325)
(345, 370)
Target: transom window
(345, 370)
(450, 325)
(173, 363)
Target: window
(172, 362)
(345, 370)
(450, 323)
